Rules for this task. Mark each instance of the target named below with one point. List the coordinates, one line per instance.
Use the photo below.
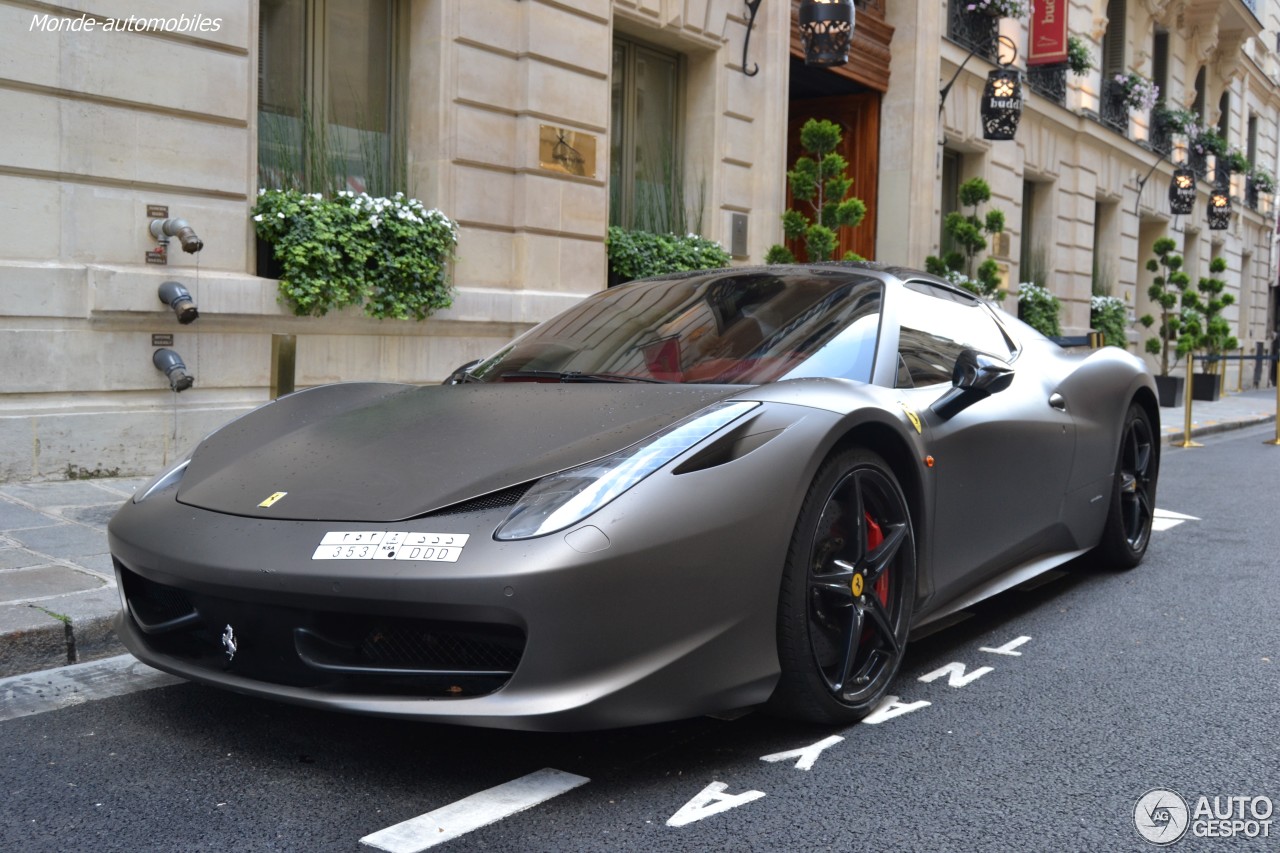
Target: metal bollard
(1276, 368)
(1186, 404)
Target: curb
(32, 639)
(1173, 438)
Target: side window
(937, 325)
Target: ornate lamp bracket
(753, 6)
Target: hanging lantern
(1001, 104)
(826, 30)
(1182, 191)
(1219, 209)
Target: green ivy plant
(1108, 315)
(390, 255)
(1079, 58)
(968, 235)
(1039, 309)
(820, 182)
(1168, 285)
(1236, 161)
(640, 254)
(1176, 120)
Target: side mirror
(975, 377)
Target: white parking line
(473, 812)
(51, 689)
(1164, 519)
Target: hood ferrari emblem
(274, 499)
(229, 642)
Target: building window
(328, 91)
(1224, 115)
(646, 180)
(1112, 109)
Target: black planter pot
(1206, 387)
(1169, 389)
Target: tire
(1133, 494)
(846, 595)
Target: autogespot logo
(1161, 816)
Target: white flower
(279, 216)
(258, 218)
(262, 190)
(374, 221)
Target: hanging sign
(1047, 42)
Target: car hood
(384, 452)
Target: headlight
(568, 497)
(169, 477)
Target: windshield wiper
(575, 376)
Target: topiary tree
(1204, 329)
(1165, 289)
(969, 236)
(819, 182)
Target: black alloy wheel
(846, 592)
(1128, 529)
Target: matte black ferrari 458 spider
(684, 495)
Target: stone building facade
(109, 128)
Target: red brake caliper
(874, 537)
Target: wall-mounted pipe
(163, 229)
(180, 300)
(170, 364)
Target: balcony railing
(1049, 81)
(1112, 109)
(974, 30)
(1162, 130)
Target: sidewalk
(57, 587)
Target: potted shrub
(1079, 58)
(1205, 330)
(999, 8)
(389, 255)
(639, 254)
(1139, 93)
(1165, 289)
(1039, 309)
(1107, 314)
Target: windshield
(719, 328)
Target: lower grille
(332, 651)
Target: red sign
(1047, 42)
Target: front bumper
(660, 606)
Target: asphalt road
(1050, 713)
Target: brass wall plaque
(570, 152)
(157, 256)
(157, 211)
(161, 340)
